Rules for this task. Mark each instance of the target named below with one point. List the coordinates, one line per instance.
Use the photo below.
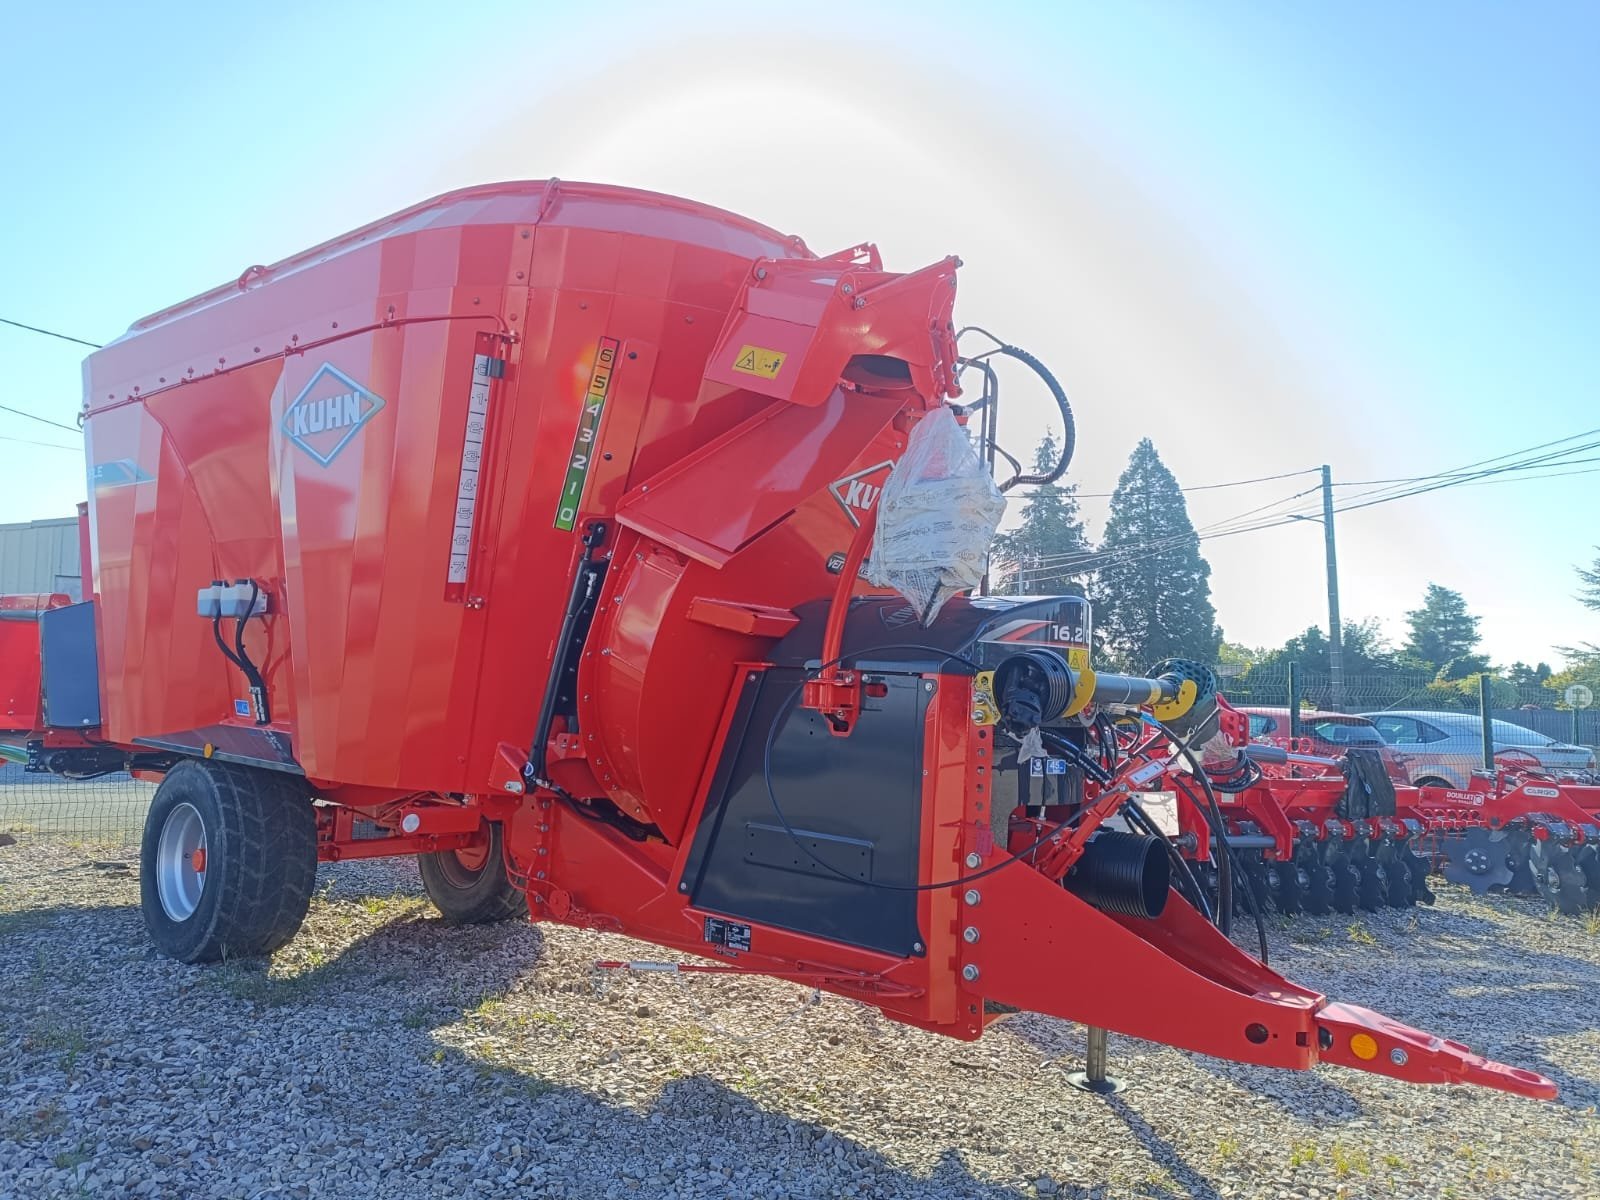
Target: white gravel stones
(383, 1055)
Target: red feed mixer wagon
(523, 531)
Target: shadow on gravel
(1196, 1186)
(395, 965)
(714, 1133)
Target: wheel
(470, 887)
(228, 861)
(1433, 781)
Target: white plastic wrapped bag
(936, 517)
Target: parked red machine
(525, 526)
(1310, 833)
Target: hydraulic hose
(1069, 431)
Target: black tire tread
(492, 898)
(268, 835)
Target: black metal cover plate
(855, 802)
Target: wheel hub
(181, 862)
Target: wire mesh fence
(1531, 707)
(105, 813)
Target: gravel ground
(382, 1054)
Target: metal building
(41, 556)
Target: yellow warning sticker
(758, 360)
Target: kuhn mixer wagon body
(520, 531)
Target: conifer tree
(1153, 596)
(1043, 556)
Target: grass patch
(71, 1160)
(690, 1039)
(417, 1018)
(391, 906)
(1361, 935)
(70, 1043)
(1348, 1160)
(1302, 1154)
(255, 984)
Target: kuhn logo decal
(328, 412)
(857, 493)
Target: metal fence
(106, 814)
(1537, 708)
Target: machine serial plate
(729, 934)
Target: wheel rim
(180, 862)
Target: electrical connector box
(243, 598)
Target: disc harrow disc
(1556, 875)
(1374, 885)
(1417, 866)
(1293, 882)
(1257, 879)
(1318, 896)
(1397, 880)
(1477, 859)
(1588, 858)
(1346, 880)
(1519, 846)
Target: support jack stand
(1094, 1078)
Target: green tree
(1154, 590)
(1583, 666)
(1524, 676)
(1235, 659)
(1462, 693)
(1463, 666)
(1589, 594)
(1365, 649)
(1043, 555)
(1442, 629)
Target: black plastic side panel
(70, 667)
(853, 802)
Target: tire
(1433, 781)
(257, 833)
(472, 889)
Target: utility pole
(1335, 630)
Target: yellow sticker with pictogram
(759, 361)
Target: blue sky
(1267, 236)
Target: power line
(1076, 564)
(1200, 487)
(30, 442)
(1455, 479)
(1481, 462)
(41, 420)
(65, 337)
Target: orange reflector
(209, 750)
(1364, 1045)
(197, 860)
